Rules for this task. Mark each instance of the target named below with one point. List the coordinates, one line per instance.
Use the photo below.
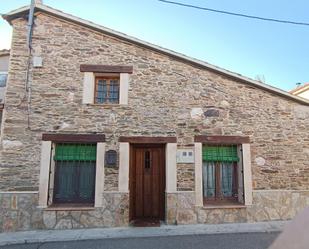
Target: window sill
(107, 106)
(223, 206)
(70, 207)
(104, 105)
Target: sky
(277, 53)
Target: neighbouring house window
(0, 119)
(3, 79)
(75, 167)
(222, 174)
(106, 90)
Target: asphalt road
(218, 241)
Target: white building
(302, 91)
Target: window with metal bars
(3, 79)
(221, 181)
(106, 90)
(75, 166)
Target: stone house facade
(118, 130)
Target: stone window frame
(47, 165)
(91, 72)
(243, 148)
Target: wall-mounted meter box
(37, 61)
(185, 156)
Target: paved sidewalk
(40, 236)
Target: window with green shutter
(74, 173)
(220, 153)
(220, 173)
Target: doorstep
(40, 236)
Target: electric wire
(235, 14)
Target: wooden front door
(147, 182)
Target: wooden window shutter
(75, 173)
(220, 154)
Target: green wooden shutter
(220, 154)
(75, 152)
(86, 181)
(65, 181)
(75, 173)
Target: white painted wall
(99, 178)
(88, 88)
(124, 164)
(124, 88)
(171, 167)
(246, 157)
(304, 94)
(198, 174)
(44, 173)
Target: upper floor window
(106, 84)
(3, 79)
(107, 90)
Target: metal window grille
(74, 173)
(107, 91)
(220, 177)
(3, 79)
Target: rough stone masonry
(167, 97)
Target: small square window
(3, 79)
(106, 90)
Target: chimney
(38, 1)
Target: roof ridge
(190, 60)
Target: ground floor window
(75, 166)
(222, 174)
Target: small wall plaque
(111, 158)
(185, 156)
(37, 61)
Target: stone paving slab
(137, 232)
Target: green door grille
(220, 154)
(74, 173)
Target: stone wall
(19, 212)
(185, 177)
(166, 98)
(111, 179)
(267, 205)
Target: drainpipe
(29, 45)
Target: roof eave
(16, 13)
(178, 56)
